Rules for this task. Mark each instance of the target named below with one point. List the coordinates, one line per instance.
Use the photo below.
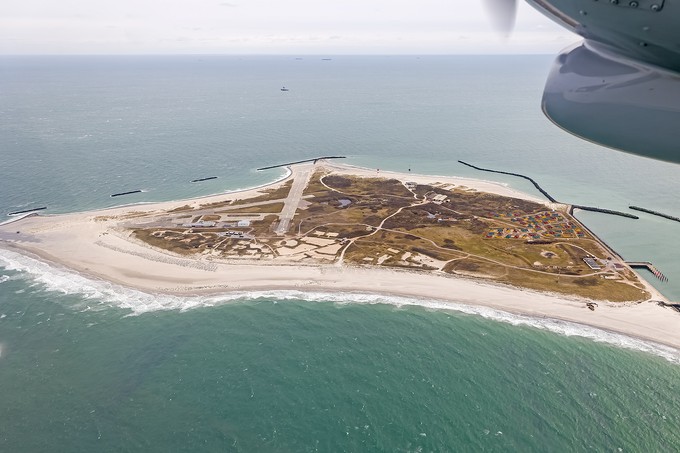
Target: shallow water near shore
(292, 375)
(98, 295)
(98, 367)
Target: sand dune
(97, 244)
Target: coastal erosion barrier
(203, 179)
(675, 307)
(16, 218)
(125, 193)
(540, 189)
(26, 211)
(650, 267)
(603, 211)
(300, 162)
(607, 247)
(550, 197)
(660, 214)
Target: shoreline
(100, 250)
(247, 190)
(482, 185)
(643, 321)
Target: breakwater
(607, 247)
(675, 307)
(204, 179)
(300, 162)
(550, 197)
(540, 189)
(656, 213)
(604, 211)
(649, 266)
(125, 193)
(25, 211)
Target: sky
(269, 27)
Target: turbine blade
(502, 13)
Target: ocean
(86, 365)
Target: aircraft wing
(620, 87)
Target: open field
(350, 229)
(377, 221)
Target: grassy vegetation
(134, 215)
(314, 186)
(367, 187)
(451, 236)
(263, 227)
(594, 287)
(476, 267)
(197, 241)
(385, 242)
(482, 204)
(365, 201)
(215, 204)
(449, 231)
(270, 194)
(171, 240)
(268, 208)
(184, 208)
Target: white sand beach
(95, 244)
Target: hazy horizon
(187, 54)
(264, 27)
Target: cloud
(267, 26)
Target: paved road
(300, 181)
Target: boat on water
(284, 89)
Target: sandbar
(97, 245)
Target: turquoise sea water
(88, 366)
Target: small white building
(435, 197)
(199, 224)
(243, 223)
(592, 263)
(440, 198)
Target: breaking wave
(98, 293)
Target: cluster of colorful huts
(548, 224)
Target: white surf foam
(561, 327)
(17, 217)
(94, 292)
(99, 293)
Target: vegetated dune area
(340, 228)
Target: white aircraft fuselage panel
(645, 30)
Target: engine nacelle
(616, 102)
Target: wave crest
(105, 294)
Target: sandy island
(97, 244)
